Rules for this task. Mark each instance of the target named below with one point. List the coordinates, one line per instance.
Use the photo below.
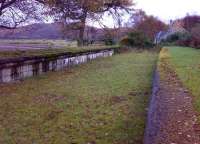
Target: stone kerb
(20, 68)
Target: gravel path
(171, 118)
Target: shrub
(178, 36)
(126, 41)
(195, 32)
(192, 39)
(136, 39)
(109, 41)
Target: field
(44, 42)
(19, 48)
(186, 62)
(101, 102)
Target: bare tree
(81, 10)
(16, 12)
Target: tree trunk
(82, 31)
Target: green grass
(40, 41)
(48, 51)
(186, 62)
(101, 102)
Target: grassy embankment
(101, 102)
(44, 42)
(48, 51)
(48, 47)
(186, 62)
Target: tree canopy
(74, 12)
(16, 12)
(190, 21)
(80, 10)
(149, 25)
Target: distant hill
(34, 31)
(44, 31)
(52, 31)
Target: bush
(109, 41)
(181, 39)
(178, 36)
(136, 39)
(188, 39)
(192, 39)
(195, 32)
(125, 41)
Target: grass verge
(39, 41)
(49, 51)
(186, 62)
(101, 102)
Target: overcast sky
(169, 9)
(165, 10)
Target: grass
(101, 102)
(186, 62)
(41, 41)
(48, 51)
